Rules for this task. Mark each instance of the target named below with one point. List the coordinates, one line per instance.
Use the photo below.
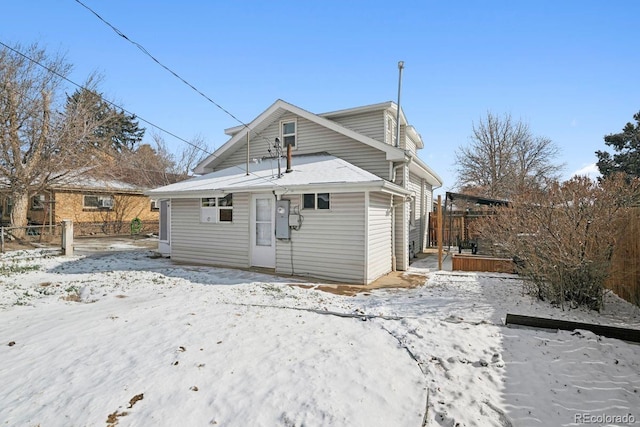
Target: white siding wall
(415, 186)
(428, 208)
(370, 124)
(330, 244)
(379, 234)
(402, 223)
(215, 244)
(313, 138)
(409, 145)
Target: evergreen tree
(626, 146)
(119, 131)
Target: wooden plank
(625, 334)
(464, 262)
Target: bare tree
(186, 160)
(36, 139)
(504, 158)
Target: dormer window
(288, 132)
(391, 131)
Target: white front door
(263, 240)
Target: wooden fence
(624, 277)
(467, 262)
(456, 226)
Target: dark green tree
(119, 131)
(626, 147)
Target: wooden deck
(467, 262)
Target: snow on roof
(85, 181)
(319, 170)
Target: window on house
(9, 205)
(216, 209)
(316, 201)
(91, 201)
(37, 202)
(288, 130)
(391, 131)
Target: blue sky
(568, 68)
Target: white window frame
(287, 135)
(211, 208)
(315, 202)
(37, 202)
(98, 198)
(391, 130)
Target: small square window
(323, 201)
(309, 201)
(226, 200)
(226, 215)
(37, 202)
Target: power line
(147, 53)
(131, 113)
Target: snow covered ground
(127, 339)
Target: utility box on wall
(282, 219)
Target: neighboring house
(355, 203)
(108, 204)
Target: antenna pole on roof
(400, 67)
(248, 152)
(279, 154)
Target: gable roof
(271, 114)
(83, 180)
(318, 172)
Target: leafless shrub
(562, 238)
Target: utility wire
(101, 97)
(133, 114)
(146, 52)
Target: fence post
(2, 237)
(439, 232)
(67, 237)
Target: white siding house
(352, 207)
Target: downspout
(393, 234)
(393, 211)
(392, 207)
(407, 162)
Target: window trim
(42, 200)
(391, 126)
(214, 207)
(315, 202)
(98, 198)
(294, 134)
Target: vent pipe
(288, 159)
(400, 67)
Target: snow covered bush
(562, 237)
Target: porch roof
(310, 173)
